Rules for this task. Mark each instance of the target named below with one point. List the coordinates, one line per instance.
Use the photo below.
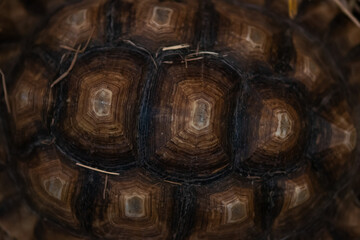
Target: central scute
(189, 115)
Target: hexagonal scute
(101, 113)
(189, 112)
(226, 209)
(303, 199)
(165, 24)
(243, 34)
(52, 185)
(30, 99)
(276, 126)
(74, 25)
(137, 207)
(335, 144)
(309, 67)
(279, 124)
(235, 208)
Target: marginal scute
(137, 207)
(8, 191)
(318, 232)
(189, 108)
(51, 184)
(319, 16)
(303, 196)
(225, 210)
(343, 137)
(339, 115)
(282, 7)
(133, 203)
(307, 71)
(309, 68)
(19, 222)
(336, 137)
(346, 36)
(49, 231)
(297, 192)
(73, 25)
(244, 35)
(354, 71)
(156, 24)
(78, 19)
(347, 217)
(30, 99)
(9, 56)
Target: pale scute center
(102, 102)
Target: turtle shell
(151, 119)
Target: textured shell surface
(179, 119)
